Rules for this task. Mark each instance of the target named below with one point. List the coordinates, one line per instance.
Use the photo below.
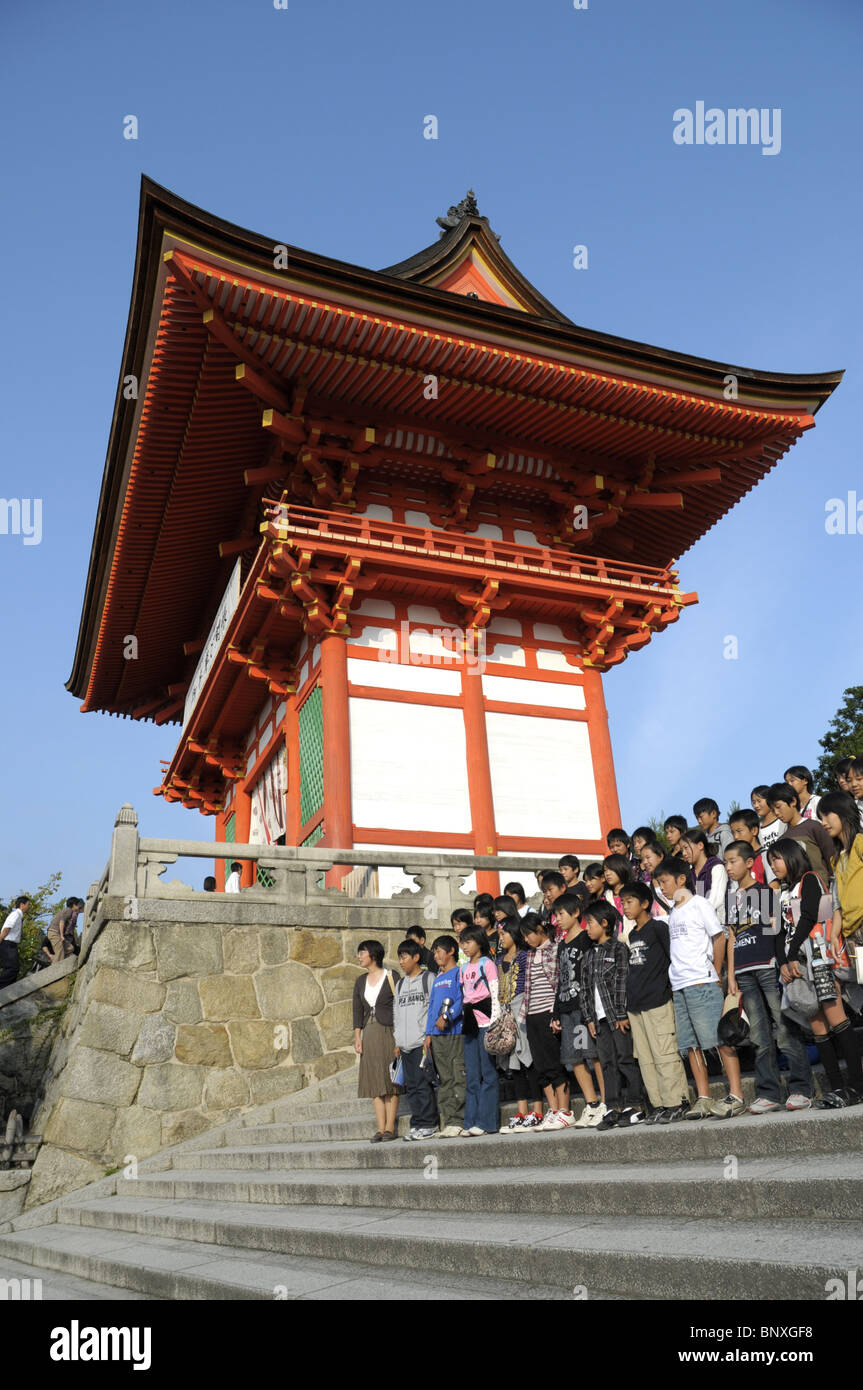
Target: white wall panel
(508, 690)
(408, 766)
(542, 777)
(386, 675)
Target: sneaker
(610, 1120)
(515, 1123)
(763, 1106)
(672, 1113)
(598, 1113)
(426, 1134)
(475, 1131)
(412, 1134)
(559, 1119)
(548, 1122)
(798, 1102)
(584, 1119)
(532, 1121)
(728, 1108)
(464, 1134)
(655, 1116)
(701, 1110)
(451, 1132)
(630, 1117)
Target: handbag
(800, 996)
(501, 1036)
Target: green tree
(44, 902)
(843, 739)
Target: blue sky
(306, 124)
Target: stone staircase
(293, 1202)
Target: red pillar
(338, 816)
(479, 777)
(219, 865)
(600, 751)
(242, 828)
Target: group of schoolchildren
(711, 936)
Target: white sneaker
(586, 1115)
(548, 1121)
(451, 1132)
(560, 1119)
(597, 1115)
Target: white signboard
(226, 611)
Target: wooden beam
(286, 427)
(192, 648)
(238, 546)
(262, 389)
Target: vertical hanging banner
(268, 801)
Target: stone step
(40, 1285)
(769, 1187)
(346, 1106)
(749, 1136)
(671, 1258)
(148, 1267)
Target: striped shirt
(541, 979)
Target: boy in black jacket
(603, 1002)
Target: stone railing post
(123, 863)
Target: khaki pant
(448, 1055)
(655, 1039)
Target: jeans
(762, 995)
(421, 1096)
(481, 1109)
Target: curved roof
(219, 340)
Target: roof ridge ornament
(466, 208)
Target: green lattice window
(230, 829)
(311, 722)
(265, 878)
(317, 834)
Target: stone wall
(179, 1023)
(31, 1015)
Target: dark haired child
(517, 1067)
(443, 1036)
(516, 892)
(570, 867)
(745, 826)
(752, 909)
(459, 919)
(618, 873)
(486, 919)
(594, 880)
(651, 857)
(706, 812)
(418, 935)
(410, 1014)
(855, 784)
(603, 1002)
(838, 815)
(553, 885)
(803, 782)
(675, 827)
(479, 1002)
(808, 913)
(619, 842)
(539, 1006)
(640, 837)
(784, 801)
(770, 826)
(650, 1010)
(710, 878)
(578, 1051)
(697, 945)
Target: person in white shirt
(10, 936)
(232, 884)
(516, 892)
(802, 780)
(697, 946)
